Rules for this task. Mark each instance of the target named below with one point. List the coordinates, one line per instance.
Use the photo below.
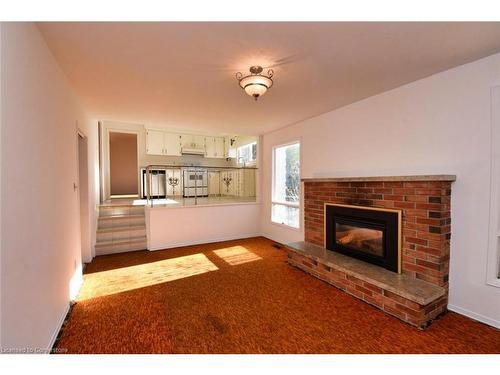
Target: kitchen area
(167, 184)
(179, 168)
(162, 188)
(228, 177)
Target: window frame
(273, 181)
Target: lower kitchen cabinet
(227, 183)
(214, 184)
(238, 182)
(246, 182)
(174, 175)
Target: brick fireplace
(420, 293)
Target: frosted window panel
(286, 215)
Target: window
(286, 185)
(247, 154)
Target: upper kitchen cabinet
(210, 147)
(214, 147)
(154, 142)
(163, 142)
(159, 142)
(172, 144)
(219, 147)
(192, 141)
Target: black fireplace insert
(367, 233)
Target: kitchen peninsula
(192, 185)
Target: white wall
(180, 226)
(440, 124)
(39, 213)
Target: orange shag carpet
(240, 297)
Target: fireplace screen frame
(384, 219)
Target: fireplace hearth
(366, 233)
(384, 240)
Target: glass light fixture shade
(255, 90)
(256, 85)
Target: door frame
(107, 174)
(85, 239)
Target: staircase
(120, 228)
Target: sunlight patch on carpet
(122, 279)
(236, 255)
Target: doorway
(123, 165)
(83, 197)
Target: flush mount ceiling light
(255, 84)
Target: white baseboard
(58, 328)
(470, 314)
(171, 245)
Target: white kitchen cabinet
(154, 142)
(236, 185)
(193, 141)
(210, 147)
(246, 182)
(233, 188)
(159, 142)
(174, 190)
(222, 175)
(228, 183)
(172, 144)
(199, 141)
(214, 147)
(219, 147)
(187, 140)
(242, 182)
(214, 185)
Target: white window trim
(288, 227)
(493, 260)
(289, 204)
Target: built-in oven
(195, 182)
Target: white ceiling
(181, 75)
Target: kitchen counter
(178, 201)
(167, 166)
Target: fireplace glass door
(367, 233)
(355, 237)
